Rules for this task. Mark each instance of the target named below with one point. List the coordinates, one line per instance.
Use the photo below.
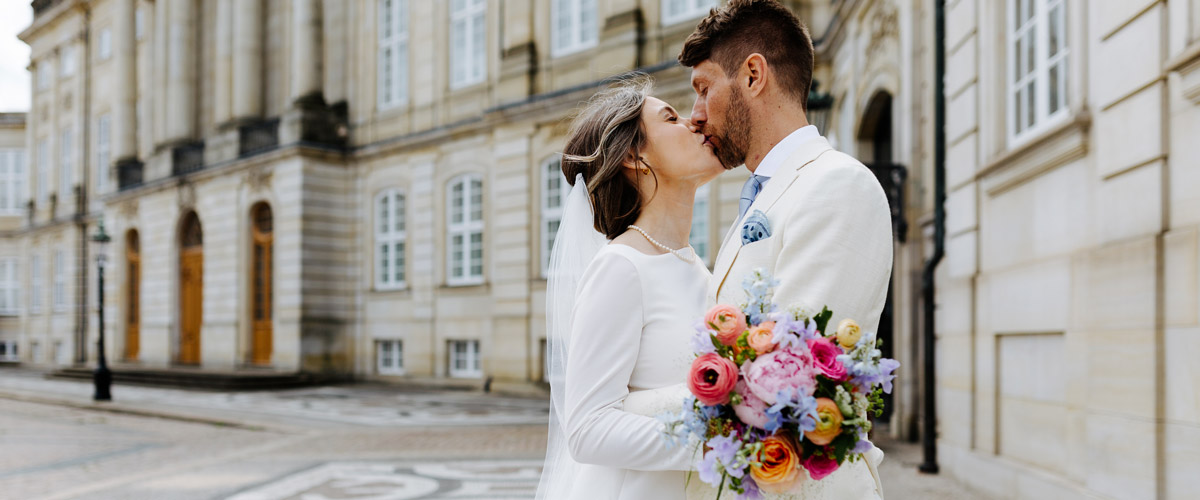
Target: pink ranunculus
(752, 411)
(819, 467)
(711, 378)
(824, 355)
(787, 368)
(728, 322)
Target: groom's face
(720, 113)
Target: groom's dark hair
(742, 27)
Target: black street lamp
(102, 377)
(820, 105)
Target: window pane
(1052, 85)
(476, 200)
(456, 203)
(1054, 27)
(456, 256)
(1030, 105)
(398, 260)
(383, 213)
(383, 263)
(398, 211)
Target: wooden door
(191, 291)
(261, 288)
(133, 280)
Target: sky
(14, 57)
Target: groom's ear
(753, 75)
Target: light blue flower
(757, 227)
(707, 469)
(752, 491)
(702, 341)
(862, 446)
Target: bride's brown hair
(604, 135)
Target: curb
(120, 409)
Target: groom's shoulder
(839, 167)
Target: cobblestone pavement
(351, 442)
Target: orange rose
(829, 423)
(760, 337)
(727, 321)
(779, 468)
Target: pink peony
(752, 411)
(711, 378)
(819, 467)
(786, 368)
(824, 355)
(727, 321)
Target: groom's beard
(735, 139)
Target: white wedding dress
(629, 356)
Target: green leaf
(822, 319)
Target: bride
(625, 289)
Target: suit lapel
(785, 176)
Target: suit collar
(785, 176)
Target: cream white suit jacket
(830, 245)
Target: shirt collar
(784, 149)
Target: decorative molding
(1055, 148)
(1188, 66)
(883, 25)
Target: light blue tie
(750, 191)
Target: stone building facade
(1068, 300)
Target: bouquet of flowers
(776, 399)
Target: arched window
(554, 193)
(390, 237)
(464, 231)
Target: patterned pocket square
(756, 227)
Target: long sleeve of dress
(605, 338)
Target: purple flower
(752, 491)
(862, 446)
(707, 469)
(724, 448)
(702, 341)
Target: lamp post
(102, 377)
(820, 105)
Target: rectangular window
(554, 193)
(12, 182)
(45, 74)
(468, 60)
(43, 169)
(35, 351)
(10, 287)
(104, 44)
(389, 357)
(8, 351)
(390, 239)
(393, 53)
(464, 359)
(674, 11)
(66, 158)
(66, 61)
(465, 231)
(573, 26)
(139, 23)
(103, 148)
(1037, 66)
(61, 356)
(59, 289)
(35, 284)
(699, 236)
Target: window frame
(36, 292)
(43, 169)
(394, 197)
(398, 43)
(394, 348)
(58, 284)
(693, 9)
(465, 229)
(66, 162)
(1039, 76)
(473, 58)
(577, 34)
(67, 62)
(702, 208)
(472, 358)
(104, 44)
(13, 174)
(10, 287)
(11, 353)
(551, 168)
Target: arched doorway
(875, 142)
(191, 288)
(261, 261)
(133, 294)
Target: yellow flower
(848, 333)
(779, 465)
(829, 423)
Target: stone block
(1183, 197)
(954, 416)
(1121, 457)
(1030, 298)
(961, 214)
(1130, 205)
(961, 67)
(1046, 216)
(1182, 375)
(1121, 372)
(1181, 461)
(955, 361)
(1139, 62)
(1181, 277)
(1128, 134)
(961, 22)
(954, 308)
(961, 161)
(1116, 286)
(961, 116)
(1104, 21)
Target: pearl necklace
(689, 258)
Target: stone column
(160, 43)
(181, 70)
(223, 67)
(335, 56)
(306, 48)
(247, 59)
(125, 66)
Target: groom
(814, 217)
